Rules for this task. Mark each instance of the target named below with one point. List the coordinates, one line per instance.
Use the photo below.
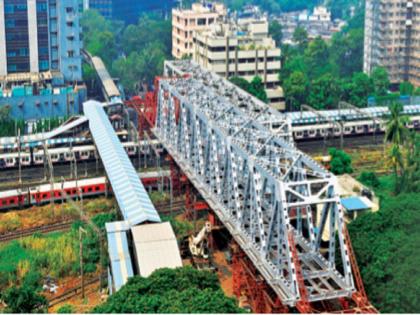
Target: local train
(351, 128)
(46, 193)
(67, 154)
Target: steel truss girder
(254, 179)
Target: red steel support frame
(247, 281)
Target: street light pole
(82, 230)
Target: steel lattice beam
(239, 155)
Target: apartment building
(187, 21)
(392, 39)
(242, 48)
(39, 36)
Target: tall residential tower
(39, 36)
(392, 39)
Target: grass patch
(54, 254)
(49, 214)
(158, 197)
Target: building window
(10, 23)
(41, 7)
(11, 68)
(9, 8)
(23, 52)
(70, 53)
(43, 65)
(201, 22)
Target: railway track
(56, 227)
(72, 292)
(34, 175)
(317, 146)
(162, 208)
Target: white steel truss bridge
(275, 201)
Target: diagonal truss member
(239, 155)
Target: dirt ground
(224, 272)
(93, 296)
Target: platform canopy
(155, 247)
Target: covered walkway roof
(132, 198)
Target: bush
(65, 309)
(26, 298)
(369, 179)
(340, 162)
(181, 290)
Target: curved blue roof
(132, 198)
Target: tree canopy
(255, 87)
(181, 290)
(25, 298)
(340, 162)
(133, 53)
(386, 244)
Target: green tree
(370, 179)
(396, 130)
(100, 35)
(413, 163)
(276, 31)
(295, 90)
(25, 298)
(316, 55)
(181, 290)
(347, 46)
(340, 162)
(257, 89)
(380, 81)
(396, 134)
(359, 89)
(300, 37)
(240, 82)
(148, 31)
(388, 255)
(406, 88)
(324, 92)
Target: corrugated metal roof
(108, 84)
(156, 247)
(133, 200)
(354, 204)
(119, 255)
